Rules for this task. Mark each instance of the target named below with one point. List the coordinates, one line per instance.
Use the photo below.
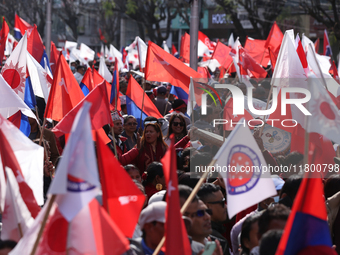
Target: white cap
(278, 182)
(157, 197)
(153, 212)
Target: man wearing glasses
(213, 198)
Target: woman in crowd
(152, 146)
(177, 127)
(154, 179)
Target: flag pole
(166, 107)
(42, 131)
(264, 116)
(187, 202)
(306, 148)
(15, 210)
(141, 113)
(43, 223)
(262, 56)
(114, 141)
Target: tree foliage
(327, 12)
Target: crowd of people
(139, 146)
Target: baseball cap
(153, 212)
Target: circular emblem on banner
(245, 169)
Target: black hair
(130, 166)
(265, 84)
(246, 228)
(206, 190)
(293, 158)
(189, 179)
(270, 241)
(7, 244)
(276, 212)
(332, 185)
(140, 186)
(150, 118)
(185, 191)
(290, 188)
(200, 159)
(127, 117)
(154, 169)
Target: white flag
(104, 71)
(86, 52)
(244, 170)
(77, 177)
(117, 54)
(15, 213)
(142, 50)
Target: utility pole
(48, 27)
(122, 31)
(194, 23)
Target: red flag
(3, 38)
(274, 38)
(65, 92)
(203, 71)
(175, 231)
(273, 59)
(121, 197)
(88, 79)
(185, 48)
(255, 49)
(334, 71)
(249, 64)
(101, 36)
(8, 159)
(134, 92)
(228, 115)
(99, 112)
(98, 79)
(35, 45)
(221, 54)
(54, 56)
(20, 26)
(162, 66)
(302, 56)
(317, 45)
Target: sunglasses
(132, 124)
(221, 202)
(178, 123)
(201, 213)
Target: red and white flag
(40, 79)
(76, 181)
(117, 54)
(30, 158)
(100, 235)
(325, 118)
(247, 178)
(205, 46)
(16, 218)
(14, 70)
(86, 52)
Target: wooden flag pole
(114, 141)
(187, 202)
(262, 57)
(42, 131)
(166, 107)
(43, 224)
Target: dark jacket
(217, 230)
